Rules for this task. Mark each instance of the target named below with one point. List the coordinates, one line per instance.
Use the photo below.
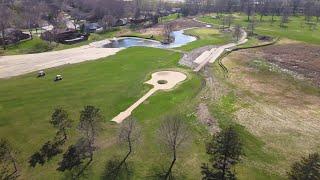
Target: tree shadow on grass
(117, 169)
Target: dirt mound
(301, 58)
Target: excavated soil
(301, 58)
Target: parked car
(58, 78)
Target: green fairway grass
(170, 17)
(206, 36)
(296, 29)
(112, 84)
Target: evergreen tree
(225, 150)
(307, 169)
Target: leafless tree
(285, 14)
(226, 21)
(168, 28)
(295, 6)
(275, 8)
(5, 18)
(31, 14)
(8, 164)
(263, 8)
(252, 25)
(237, 32)
(108, 21)
(129, 134)
(248, 7)
(317, 11)
(173, 134)
(309, 9)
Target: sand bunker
(162, 80)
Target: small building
(12, 36)
(121, 22)
(68, 36)
(92, 27)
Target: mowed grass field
(112, 84)
(206, 36)
(296, 28)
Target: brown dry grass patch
(282, 115)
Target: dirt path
(26, 63)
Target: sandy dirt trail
(21, 64)
(171, 79)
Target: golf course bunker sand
(162, 80)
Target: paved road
(26, 63)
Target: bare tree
(108, 21)
(295, 6)
(173, 134)
(8, 164)
(263, 8)
(317, 10)
(248, 7)
(252, 25)
(168, 28)
(5, 17)
(285, 14)
(309, 10)
(129, 134)
(237, 32)
(31, 15)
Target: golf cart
(41, 74)
(58, 78)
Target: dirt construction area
(282, 111)
(297, 57)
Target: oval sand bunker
(162, 80)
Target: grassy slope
(111, 84)
(170, 17)
(206, 36)
(296, 28)
(223, 110)
(271, 145)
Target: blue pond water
(180, 39)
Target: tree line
(307, 8)
(225, 149)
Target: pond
(180, 39)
